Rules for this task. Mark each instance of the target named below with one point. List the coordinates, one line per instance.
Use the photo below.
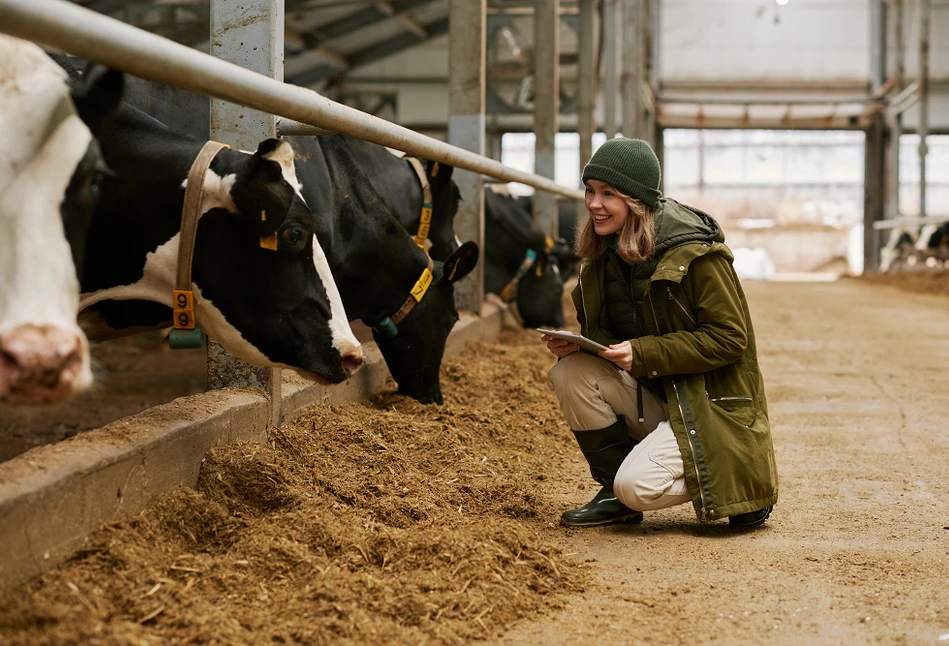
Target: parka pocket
(740, 409)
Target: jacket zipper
(681, 306)
(728, 399)
(688, 431)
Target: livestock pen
(169, 453)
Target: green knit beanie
(628, 165)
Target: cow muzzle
(352, 359)
(42, 364)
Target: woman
(675, 409)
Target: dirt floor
(408, 524)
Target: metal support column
(546, 107)
(873, 181)
(586, 90)
(250, 35)
(466, 64)
(631, 80)
(895, 121)
(608, 23)
(924, 11)
(652, 22)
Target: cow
(518, 265)
(273, 305)
(375, 263)
(928, 244)
(396, 180)
(567, 228)
(50, 177)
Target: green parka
(701, 345)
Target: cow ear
(439, 174)
(279, 151)
(97, 98)
(460, 263)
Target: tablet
(585, 344)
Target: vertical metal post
(630, 83)
(873, 180)
(895, 122)
(608, 22)
(586, 90)
(700, 150)
(466, 64)
(652, 21)
(924, 8)
(877, 44)
(249, 34)
(546, 106)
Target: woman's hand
(620, 353)
(558, 347)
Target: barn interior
(815, 131)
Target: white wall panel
(759, 39)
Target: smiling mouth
(601, 218)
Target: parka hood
(678, 224)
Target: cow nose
(352, 360)
(39, 364)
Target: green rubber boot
(605, 450)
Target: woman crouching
(675, 409)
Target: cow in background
(50, 178)
(567, 229)
(518, 265)
(910, 246)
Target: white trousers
(593, 393)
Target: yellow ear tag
(549, 242)
(269, 242)
(434, 169)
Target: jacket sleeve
(720, 337)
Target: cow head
(49, 182)
(540, 294)
(414, 355)
(267, 288)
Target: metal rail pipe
(107, 41)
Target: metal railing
(104, 40)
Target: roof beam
(404, 19)
(360, 20)
(371, 54)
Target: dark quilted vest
(624, 289)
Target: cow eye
(293, 235)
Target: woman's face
(608, 210)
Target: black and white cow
(376, 264)
(50, 171)
(397, 183)
(374, 261)
(517, 253)
(278, 308)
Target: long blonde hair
(636, 240)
